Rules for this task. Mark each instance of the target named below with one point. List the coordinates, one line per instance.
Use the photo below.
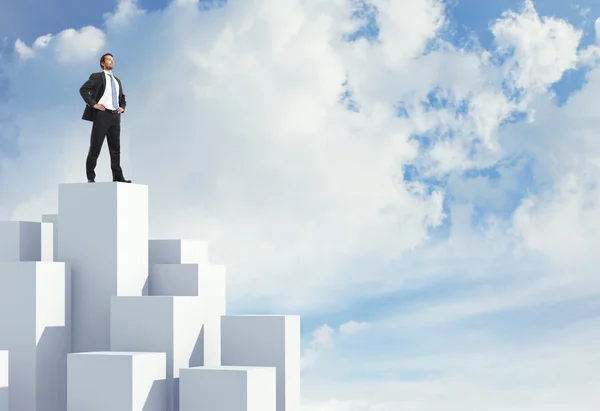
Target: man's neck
(108, 71)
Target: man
(105, 101)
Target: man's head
(107, 62)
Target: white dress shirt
(106, 98)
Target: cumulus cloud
(543, 48)
(69, 45)
(42, 41)
(353, 327)
(79, 45)
(322, 340)
(25, 52)
(125, 11)
(405, 27)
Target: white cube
(26, 241)
(53, 219)
(177, 251)
(117, 381)
(227, 389)
(173, 325)
(266, 341)
(103, 234)
(4, 399)
(204, 280)
(36, 330)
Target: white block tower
(35, 320)
(96, 316)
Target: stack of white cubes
(94, 316)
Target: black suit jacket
(92, 91)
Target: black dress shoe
(122, 181)
(91, 181)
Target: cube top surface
(101, 183)
(150, 299)
(17, 222)
(116, 353)
(259, 316)
(97, 191)
(176, 240)
(225, 368)
(263, 315)
(32, 264)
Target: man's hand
(120, 110)
(99, 107)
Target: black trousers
(106, 124)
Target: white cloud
(322, 340)
(590, 56)
(125, 11)
(79, 45)
(42, 41)
(406, 26)
(70, 45)
(544, 48)
(25, 52)
(353, 327)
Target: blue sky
(437, 235)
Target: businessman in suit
(105, 102)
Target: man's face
(109, 63)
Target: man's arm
(86, 91)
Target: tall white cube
(266, 341)
(26, 241)
(117, 381)
(103, 234)
(227, 389)
(173, 325)
(35, 328)
(4, 395)
(53, 219)
(177, 251)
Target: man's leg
(99, 128)
(113, 138)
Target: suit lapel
(103, 88)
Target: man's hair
(102, 59)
